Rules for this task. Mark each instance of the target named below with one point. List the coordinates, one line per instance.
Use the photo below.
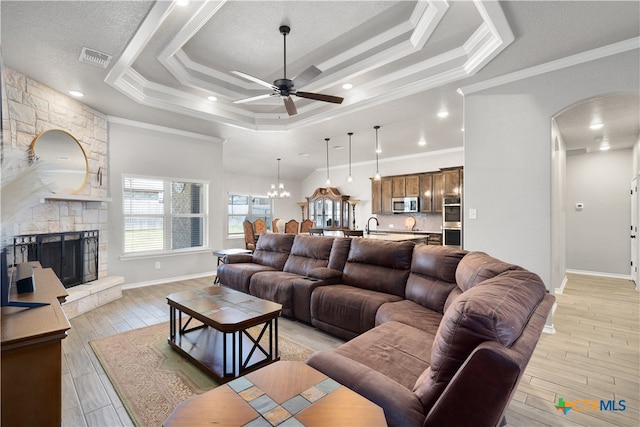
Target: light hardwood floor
(594, 354)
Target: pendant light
(377, 175)
(350, 178)
(278, 192)
(328, 181)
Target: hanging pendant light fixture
(377, 175)
(350, 178)
(328, 181)
(277, 190)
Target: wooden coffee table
(213, 333)
(290, 392)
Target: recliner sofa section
(316, 260)
(462, 372)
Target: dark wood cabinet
(329, 209)
(430, 187)
(426, 193)
(412, 185)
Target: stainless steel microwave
(404, 204)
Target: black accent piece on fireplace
(73, 256)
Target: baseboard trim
(167, 280)
(560, 290)
(600, 274)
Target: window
(247, 207)
(163, 215)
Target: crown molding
(164, 129)
(569, 61)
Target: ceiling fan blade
(254, 98)
(255, 79)
(306, 76)
(290, 106)
(320, 97)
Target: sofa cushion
(308, 252)
(273, 249)
(346, 311)
(409, 313)
(433, 275)
(339, 253)
(495, 310)
(378, 265)
(238, 276)
(478, 266)
(276, 286)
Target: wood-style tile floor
(593, 355)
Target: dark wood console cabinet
(31, 355)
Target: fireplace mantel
(75, 198)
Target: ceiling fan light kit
(285, 87)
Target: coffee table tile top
(271, 413)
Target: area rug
(151, 378)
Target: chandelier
(278, 192)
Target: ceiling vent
(94, 57)
(577, 151)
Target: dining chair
(274, 225)
(249, 235)
(305, 226)
(291, 227)
(259, 226)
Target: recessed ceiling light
(442, 114)
(76, 93)
(337, 147)
(212, 98)
(604, 146)
(182, 2)
(422, 142)
(347, 86)
(596, 126)
(303, 154)
(461, 129)
(378, 150)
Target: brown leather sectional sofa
(438, 336)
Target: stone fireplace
(73, 256)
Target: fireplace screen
(73, 256)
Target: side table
(284, 392)
(221, 253)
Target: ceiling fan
(285, 87)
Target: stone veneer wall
(29, 108)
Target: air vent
(94, 57)
(577, 151)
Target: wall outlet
(158, 265)
(473, 213)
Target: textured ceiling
(405, 58)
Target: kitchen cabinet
(398, 186)
(426, 192)
(438, 191)
(452, 181)
(376, 196)
(329, 209)
(412, 185)
(386, 195)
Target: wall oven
(452, 212)
(452, 237)
(452, 221)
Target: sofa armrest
(328, 275)
(485, 392)
(237, 258)
(302, 290)
(401, 406)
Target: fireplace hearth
(73, 256)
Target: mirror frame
(35, 156)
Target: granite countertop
(399, 231)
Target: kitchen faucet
(367, 229)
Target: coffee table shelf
(222, 331)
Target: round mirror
(64, 159)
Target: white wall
(136, 148)
(508, 157)
(636, 159)
(363, 172)
(558, 205)
(598, 234)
